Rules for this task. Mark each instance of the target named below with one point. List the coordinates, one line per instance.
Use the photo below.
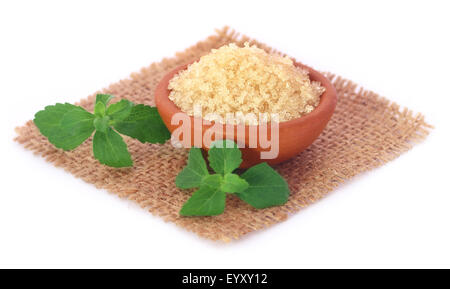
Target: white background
(395, 216)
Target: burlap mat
(365, 132)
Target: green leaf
(266, 187)
(119, 110)
(144, 124)
(101, 101)
(111, 150)
(103, 98)
(224, 156)
(99, 109)
(65, 125)
(101, 123)
(208, 200)
(191, 176)
(232, 183)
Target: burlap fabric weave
(365, 132)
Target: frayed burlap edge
(365, 132)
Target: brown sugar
(245, 80)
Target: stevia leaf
(224, 156)
(119, 110)
(101, 123)
(99, 109)
(103, 98)
(65, 125)
(145, 124)
(266, 187)
(232, 183)
(191, 176)
(110, 149)
(208, 200)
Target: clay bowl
(294, 135)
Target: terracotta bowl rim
(328, 99)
